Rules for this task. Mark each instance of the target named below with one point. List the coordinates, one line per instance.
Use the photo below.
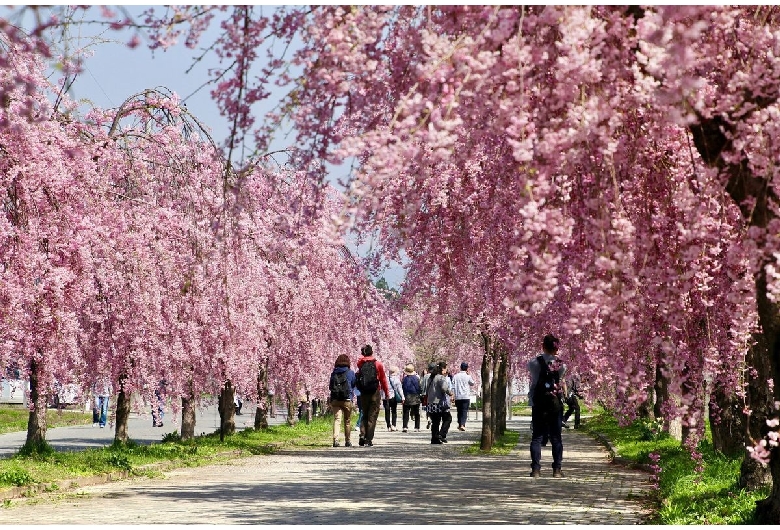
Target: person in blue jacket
(342, 387)
(412, 391)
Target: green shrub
(119, 460)
(16, 477)
(171, 437)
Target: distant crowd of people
(373, 386)
(434, 393)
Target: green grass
(502, 446)
(522, 409)
(14, 419)
(47, 466)
(684, 496)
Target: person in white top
(462, 384)
(391, 402)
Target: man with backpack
(545, 397)
(370, 376)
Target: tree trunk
(122, 413)
(645, 409)
(661, 391)
(755, 199)
(766, 363)
(308, 408)
(261, 413)
(689, 391)
(188, 417)
(727, 423)
(292, 411)
(227, 411)
(486, 441)
(500, 390)
(36, 424)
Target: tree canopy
(604, 172)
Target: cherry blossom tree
(564, 118)
(49, 188)
(171, 272)
(606, 172)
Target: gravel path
(401, 480)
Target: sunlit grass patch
(44, 467)
(684, 495)
(14, 418)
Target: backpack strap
(542, 370)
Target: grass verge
(14, 419)
(502, 446)
(48, 466)
(685, 495)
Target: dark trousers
(546, 423)
(462, 406)
(574, 406)
(391, 411)
(370, 404)
(414, 412)
(440, 425)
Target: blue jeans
(101, 406)
(462, 406)
(546, 423)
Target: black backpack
(367, 380)
(339, 387)
(547, 393)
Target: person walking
(573, 386)
(370, 378)
(462, 384)
(396, 397)
(426, 378)
(547, 388)
(439, 391)
(342, 383)
(102, 396)
(238, 403)
(411, 387)
(158, 407)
